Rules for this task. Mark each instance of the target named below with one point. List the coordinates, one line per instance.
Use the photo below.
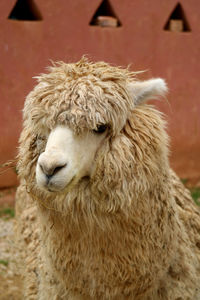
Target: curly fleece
(131, 230)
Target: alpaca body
(100, 212)
(91, 263)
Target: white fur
(74, 152)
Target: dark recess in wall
(178, 19)
(106, 12)
(25, 10)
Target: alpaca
(100, 213)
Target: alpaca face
(68, 157)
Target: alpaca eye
(100, 129)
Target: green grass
(195, 192)
(4, 262)
(184, 180)
(7, 212)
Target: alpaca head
(72, 115)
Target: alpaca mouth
(53, 188)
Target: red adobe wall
(64, 33)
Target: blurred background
(159, 36)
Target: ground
(10, 280)
(10, 287)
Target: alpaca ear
(148, 89)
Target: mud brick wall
(161, 37)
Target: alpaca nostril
(41, 167)
(57, 169)
(51, 171)
(48, 177)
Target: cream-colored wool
(130, 230)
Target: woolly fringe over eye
(89, 94)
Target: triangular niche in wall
(25, 10)
(105, 16)
(177, 20)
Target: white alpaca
(101, 213)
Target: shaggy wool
(131, 229)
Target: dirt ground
(10, 281)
